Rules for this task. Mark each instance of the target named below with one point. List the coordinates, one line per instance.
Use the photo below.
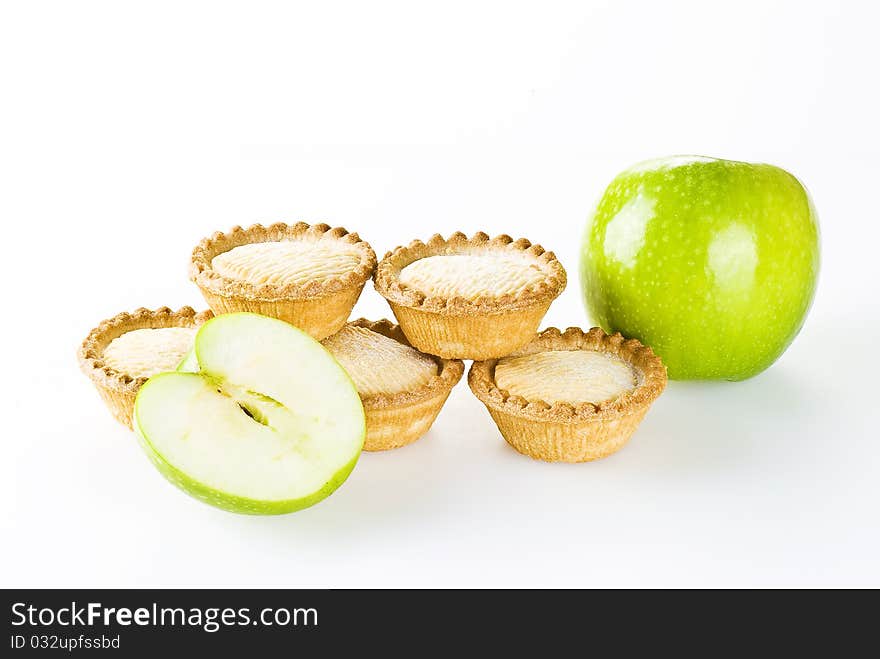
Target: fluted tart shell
(117, 389)
(318, 307)
(397, 419)
(579, 431)
(457, 327)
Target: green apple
(268, 423)
(188, 364)
(713, 263)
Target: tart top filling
(472, 276)
(378, 364)
(572, 376)
(280, 263)
(142, 353)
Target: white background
(129, 134)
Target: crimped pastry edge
(387, 277)
(481, 378)
(450, 371)
(203, 274)
(91, 351)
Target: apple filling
(287, 262)
(472, 276)
(142, 353)
(572, 376)
(378, 364)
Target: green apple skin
(194, 369)
(712, 263)
(229, 502)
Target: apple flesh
(713, 263)
(188, 364)
(269, 424)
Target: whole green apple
(713, 263)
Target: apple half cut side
(268, 424)
(188, 364)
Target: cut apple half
(188, 364)
(258, 419)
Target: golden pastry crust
(449, 371)
(565, 431)
(388, 282)
(119, 389)
(631, 351)
(319, 306)
(203, 274)
(457, 327)
(571, 376)
(398, 419)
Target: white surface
(128, 135)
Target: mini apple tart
(402, 389)
(309, 276)
(123, 352)
(570, 396)
(470, 298)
